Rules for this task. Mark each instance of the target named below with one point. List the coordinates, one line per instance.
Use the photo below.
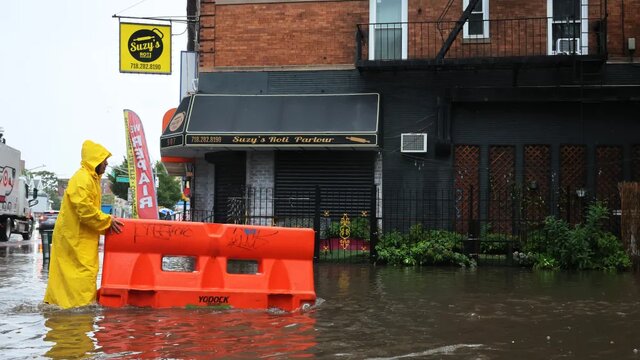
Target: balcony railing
(488, 41)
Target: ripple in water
(439, 350)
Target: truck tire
(5, 234)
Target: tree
(168, 192)
(48, 185)
(168, 187)
(118, 188)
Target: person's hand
(116, 225)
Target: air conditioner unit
(568, 46)
(413, 143)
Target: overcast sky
(61, 82)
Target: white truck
(15, 205)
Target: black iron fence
(482, 39)
(491, 225)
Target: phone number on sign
(206, 139)
(137, 66)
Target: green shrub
(607, 250)
(393, 249)
(585, 246)
(544, 262)
(419, 247)
(495, 243)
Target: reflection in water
(202, 333)
(16, 248)
(176, 333)
(70, 333)
(368, 312)
(487, 313)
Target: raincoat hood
(93, 154)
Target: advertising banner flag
(141, 181)
(145, 48)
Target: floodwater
(364, 312)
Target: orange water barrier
(160, 264)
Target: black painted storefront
(498, 109)
(320, 142)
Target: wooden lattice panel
(537, 175)
(467, 162)
(573, 163)
(608, 174)
(635, 163)
(501, 187)
(573, 176)
(630, 217)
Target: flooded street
(365, 312)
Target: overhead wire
(169, 18)
(132, 6)
(181, 33)
(172, 19)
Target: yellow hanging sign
(145, 48)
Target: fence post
(568, 210)
(472, 244)
(373, 225)
(470, 208)
(316, 225)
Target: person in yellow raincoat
(73, 267)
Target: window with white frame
(567, 26)
(388, 33)
(477, 27)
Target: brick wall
(204, 188)
(617, 34)
(323, 33)
(430, 10)
(207, 35)
(260, 183)
(281, 34)
(260, 169)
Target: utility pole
(192, 22)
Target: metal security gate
(343, 184)
(230, 178)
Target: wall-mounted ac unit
(413, 143)
(568, 46)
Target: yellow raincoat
(69, 332)
(73, 267)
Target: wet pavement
(364, 312)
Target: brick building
(471, 98)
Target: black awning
(274, 121)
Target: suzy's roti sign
(145, 48)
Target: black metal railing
(492, 225)
(482, 40)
